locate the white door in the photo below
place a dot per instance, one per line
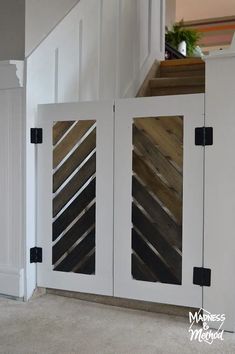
(75, 197)
(158, 219)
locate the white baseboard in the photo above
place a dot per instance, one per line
(11, 281)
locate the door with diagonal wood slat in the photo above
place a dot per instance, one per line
(75, 197)
(158, 220)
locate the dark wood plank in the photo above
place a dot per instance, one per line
(83, 150)
(71, 139)
(74, 185)
(171, 257)
(151, 153)
(74, 209)
(140, 271)
(174, 126)
(153, 182)
(77, 254)
(86, 222)
(152, 261)
(59, 129)
(88, 264)
(166, 143)
(161, 220)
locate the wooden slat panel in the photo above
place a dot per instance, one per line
(161, 220)
(162, 165)
(161, 191)
(77, 254)
(73, 186)
(71, 139)
(74, 209)
(172, 258)
(74, 234)
(86, 147)
(165, 142)
(151, 259)
(140, 271)
(59, 129)
(88, 265)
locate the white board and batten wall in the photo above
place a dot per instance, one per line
(11, 181)
(102, 49)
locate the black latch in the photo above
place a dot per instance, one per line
(204, 136)
(202, 276)
(36, 255)
(36, 135)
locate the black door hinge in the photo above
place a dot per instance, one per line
(202, 276)
(204, 136)
(36, 135)
(36, 255)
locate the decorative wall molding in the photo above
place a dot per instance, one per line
(11, 178)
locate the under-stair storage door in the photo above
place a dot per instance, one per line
(158, 222)
(75, 197)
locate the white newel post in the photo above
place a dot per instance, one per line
(11, 182)
(220, 187)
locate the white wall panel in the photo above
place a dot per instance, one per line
(41, 17)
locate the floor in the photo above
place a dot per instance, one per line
(59, 325)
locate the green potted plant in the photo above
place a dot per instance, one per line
(179, 35)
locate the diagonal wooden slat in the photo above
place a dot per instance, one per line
(167, 144)
(77, 254)
(155, 184)
(74, 209)
(71, 139)
(151, 153)
(59, 129)
(163, 273)
(173, 125)
(86, 222)
(140, 270)
(171, 257)
(74, 185)
(77, 157)
(161, 220)
(88, 264)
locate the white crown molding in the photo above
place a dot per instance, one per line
(11, 74)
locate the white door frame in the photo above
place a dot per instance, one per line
(102, 281)
(192, 108)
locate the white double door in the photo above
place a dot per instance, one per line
(120, 198)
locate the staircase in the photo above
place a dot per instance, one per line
(176, 77)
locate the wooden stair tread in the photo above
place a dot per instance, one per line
(179, 90)
(180, 62)
(187, 68)
(177, 81)
(181, 73)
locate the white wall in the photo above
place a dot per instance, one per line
(101, 50)
(219, 187)
(170, 12)
(191, 10)
(11, 185)
(12, 29)
(41, 17)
